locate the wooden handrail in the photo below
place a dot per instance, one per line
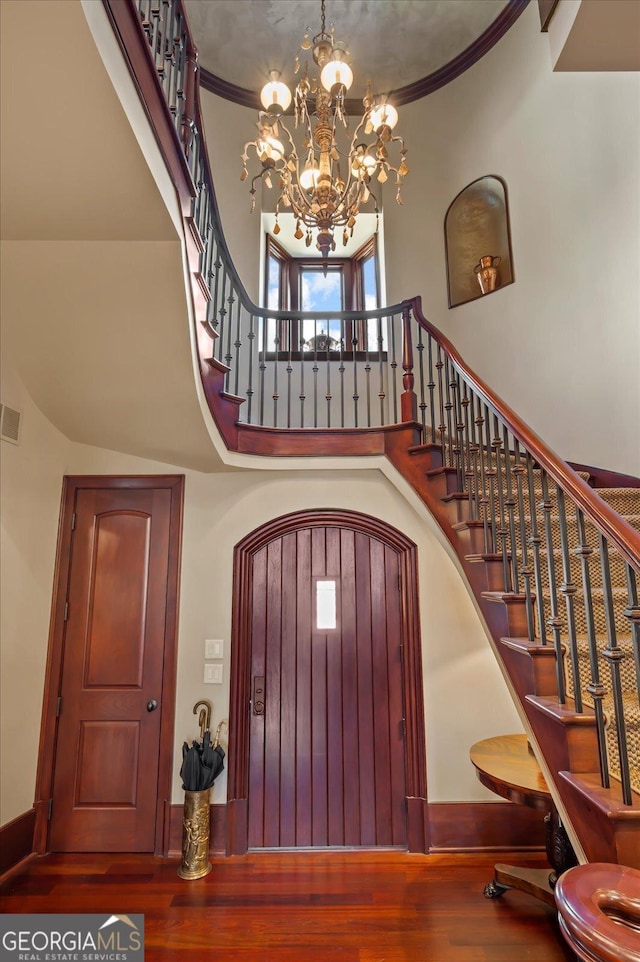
(615, 528)
(599, 912)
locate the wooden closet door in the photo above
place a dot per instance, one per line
(107, 750)
(326, 753)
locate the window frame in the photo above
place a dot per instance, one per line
(290, 297)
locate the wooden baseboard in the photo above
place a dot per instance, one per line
(453, 827)
(16, 841)
(217, 833)
(484, 827)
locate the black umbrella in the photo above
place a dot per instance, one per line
(201, 763)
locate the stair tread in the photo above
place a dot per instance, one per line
(534, 648)
(607, 799)
(565, 714)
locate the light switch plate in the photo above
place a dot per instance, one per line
(214, 648)
(213, 674)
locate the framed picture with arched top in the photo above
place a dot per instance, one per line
(478, 241)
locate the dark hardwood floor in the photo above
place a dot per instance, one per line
(299, 906)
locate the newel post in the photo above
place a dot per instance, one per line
(408, 400)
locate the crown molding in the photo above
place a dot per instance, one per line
(403, 95)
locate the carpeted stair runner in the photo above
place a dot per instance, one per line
(626, 501)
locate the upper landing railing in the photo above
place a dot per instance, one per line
(573, 557)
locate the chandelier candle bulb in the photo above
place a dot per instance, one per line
(275, 95)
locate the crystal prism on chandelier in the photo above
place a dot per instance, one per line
(326, 180)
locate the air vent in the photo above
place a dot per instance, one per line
(10, 421)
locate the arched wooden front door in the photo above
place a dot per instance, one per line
(327, 733)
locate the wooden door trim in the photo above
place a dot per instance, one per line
(415, 751)
(53, 673)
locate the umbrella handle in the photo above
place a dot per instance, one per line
(204, 718)
(224, 723)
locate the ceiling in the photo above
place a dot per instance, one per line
(393, 43)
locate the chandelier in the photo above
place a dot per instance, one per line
(326, 180)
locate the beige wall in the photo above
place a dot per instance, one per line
(31, 480)
(219, 510)
(227, 128)
(562, 344)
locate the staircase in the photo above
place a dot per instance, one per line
(578, 732)
(551, 555)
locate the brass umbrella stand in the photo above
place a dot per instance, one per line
(202, 762)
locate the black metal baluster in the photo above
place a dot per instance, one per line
(448, 406)
(442, 427)
(171, 60)
(276, 360)
(180, 48)
(207, 268)
(555, 622)
(469, 473)
(356, 396)
(632, 614)
(300, 348)
(502, 531)
(315, 372)
(165, 41)
(519, 471)
(213, 304)
(491, 475)
(289, 371)
(458, 428)
(594, 688)
(155, 33)
(422, 403)
(381, 390)
(431, 385)
(473, 452)
(222, 311)
(327, 396)
(342, 369)
(367, 371)
(144, 9)
(510, 505)
(614, 655)
(536, 542)
(568, 589)
(484, 496)
(228, 358)
(262, 366)
(238, 347)
(251, 337)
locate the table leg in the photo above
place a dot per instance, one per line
(538, 882)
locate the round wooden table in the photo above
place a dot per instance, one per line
(507, 766)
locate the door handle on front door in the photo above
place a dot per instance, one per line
(258, 695)
(152, 705)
